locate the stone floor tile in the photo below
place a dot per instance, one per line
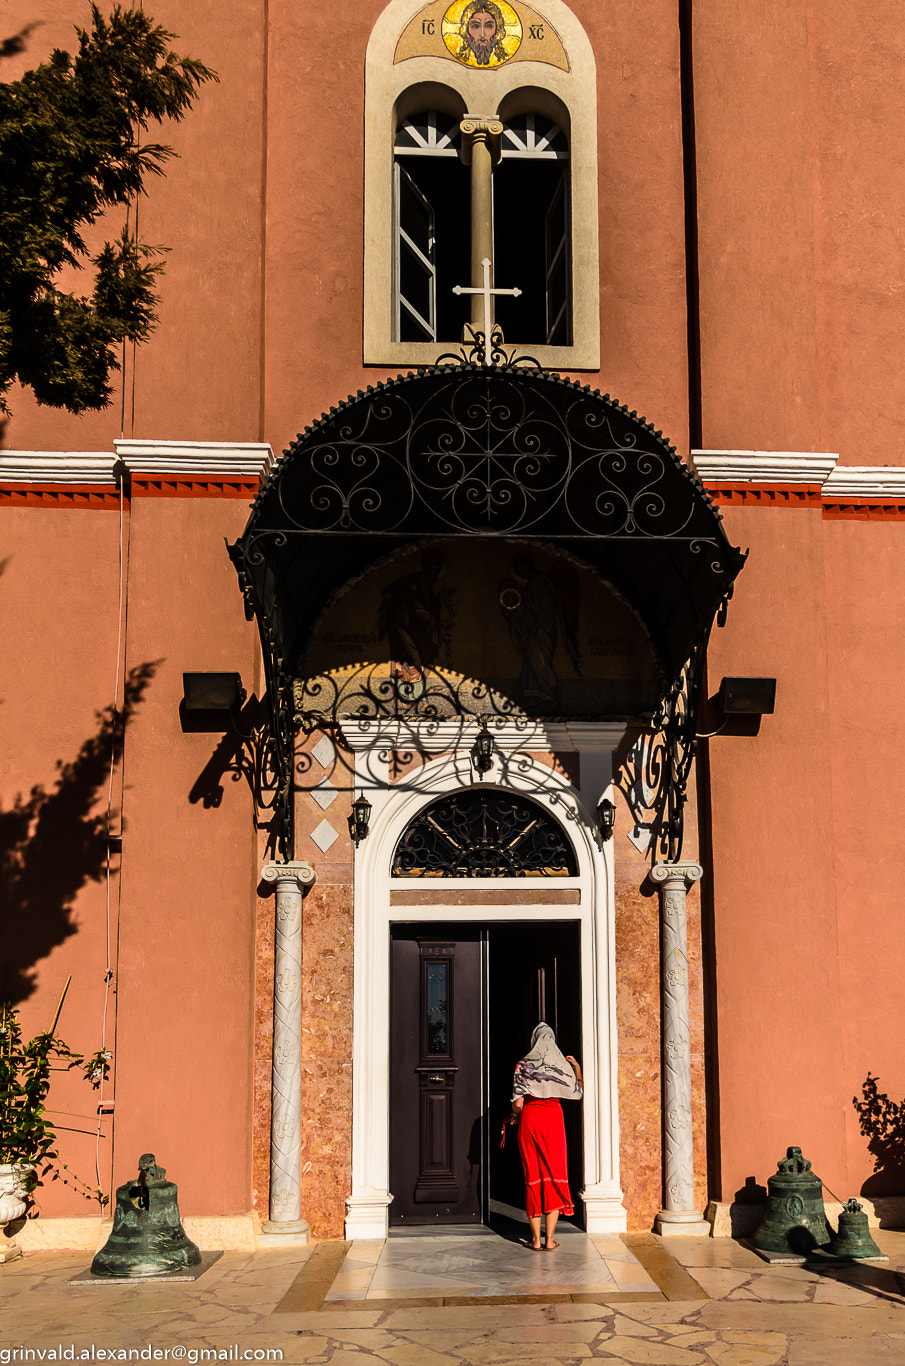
(440, 1338)
(838, 1292)
(321, 1320)
(365, 1252)
(827, 1352)
(408, 1354)
(755, 1339)
(626, 1327)
(743, 1354)
(780, 1288)
(373, 1338)
(567, 1313)
(499, 1349)
(719, 1281)
(674, 1311)
(690, 1339)
(649, 1353)
(628, 1273)
(480, 1318)
(827, 1320)
(724, 1252)
(554, 1332)
(342, 1356)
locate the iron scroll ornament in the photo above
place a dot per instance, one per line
(484, 833)
(484, 451)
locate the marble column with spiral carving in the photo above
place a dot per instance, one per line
(678, 1214)
(291, 880)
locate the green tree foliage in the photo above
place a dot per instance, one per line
(71, 148)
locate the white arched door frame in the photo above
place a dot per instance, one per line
(392, 810)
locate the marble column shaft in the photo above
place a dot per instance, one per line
(673, 881)
(286, 1105)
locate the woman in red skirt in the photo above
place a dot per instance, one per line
(543, 1078)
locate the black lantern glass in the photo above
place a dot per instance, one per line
(606, 817)
(482, 753)
(359, 819)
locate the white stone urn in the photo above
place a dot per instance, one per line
(13, 1187)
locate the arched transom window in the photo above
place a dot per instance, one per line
(484, 832)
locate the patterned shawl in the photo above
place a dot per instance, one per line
(543, 1072)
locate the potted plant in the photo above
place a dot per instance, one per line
(28, 1143)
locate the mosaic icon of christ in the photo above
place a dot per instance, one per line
(482, 33)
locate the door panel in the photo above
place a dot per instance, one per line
(435, 1075)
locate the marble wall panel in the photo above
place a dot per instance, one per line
(327, 944)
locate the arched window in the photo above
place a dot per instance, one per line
(434, 226)
(484, 832)
(533, 108)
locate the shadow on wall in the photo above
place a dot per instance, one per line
(54, 841)
(882, 1122)
(16, 44)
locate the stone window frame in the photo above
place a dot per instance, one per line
(395, 91)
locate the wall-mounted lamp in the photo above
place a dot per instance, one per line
(748, 696)
(212, 692)
(359, 819)
(606, 818)
(482, 750)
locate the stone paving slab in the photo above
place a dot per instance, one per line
(852, 1316)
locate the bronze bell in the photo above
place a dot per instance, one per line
(147, 1238)
(795, 1221)
(853, 1239)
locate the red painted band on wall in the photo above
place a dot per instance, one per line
(762, 495)
(186, 486)
(96, 496)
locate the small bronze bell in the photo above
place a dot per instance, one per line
(147, 1238)
(853, 1239)
(795, 1221)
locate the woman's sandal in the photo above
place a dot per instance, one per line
(551, 1247)
(532, 1247)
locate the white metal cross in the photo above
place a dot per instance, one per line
(487, 293)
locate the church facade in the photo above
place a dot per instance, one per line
(477, 606)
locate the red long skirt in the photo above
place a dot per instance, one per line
(542, 1144)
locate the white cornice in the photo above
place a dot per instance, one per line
(199, 458)
(764, 467)
(865, 481)
(57, 467)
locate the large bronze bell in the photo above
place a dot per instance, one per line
(853, 1239)
(795, 1221)
(147, 1238)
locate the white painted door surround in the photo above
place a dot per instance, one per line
(515, 767)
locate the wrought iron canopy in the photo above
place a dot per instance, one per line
(482, 451)
(479, 451)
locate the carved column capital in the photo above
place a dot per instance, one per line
(686, 872)
(302, 875)
(476, 128)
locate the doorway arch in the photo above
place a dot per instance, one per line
(380, 901)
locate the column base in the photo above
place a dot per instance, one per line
(673, 1223)
(604, 1212)
(284, 1233)
(367, 1220)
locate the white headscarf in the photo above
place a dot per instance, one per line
(544, 1073)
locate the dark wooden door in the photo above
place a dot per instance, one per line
(436, 1075)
